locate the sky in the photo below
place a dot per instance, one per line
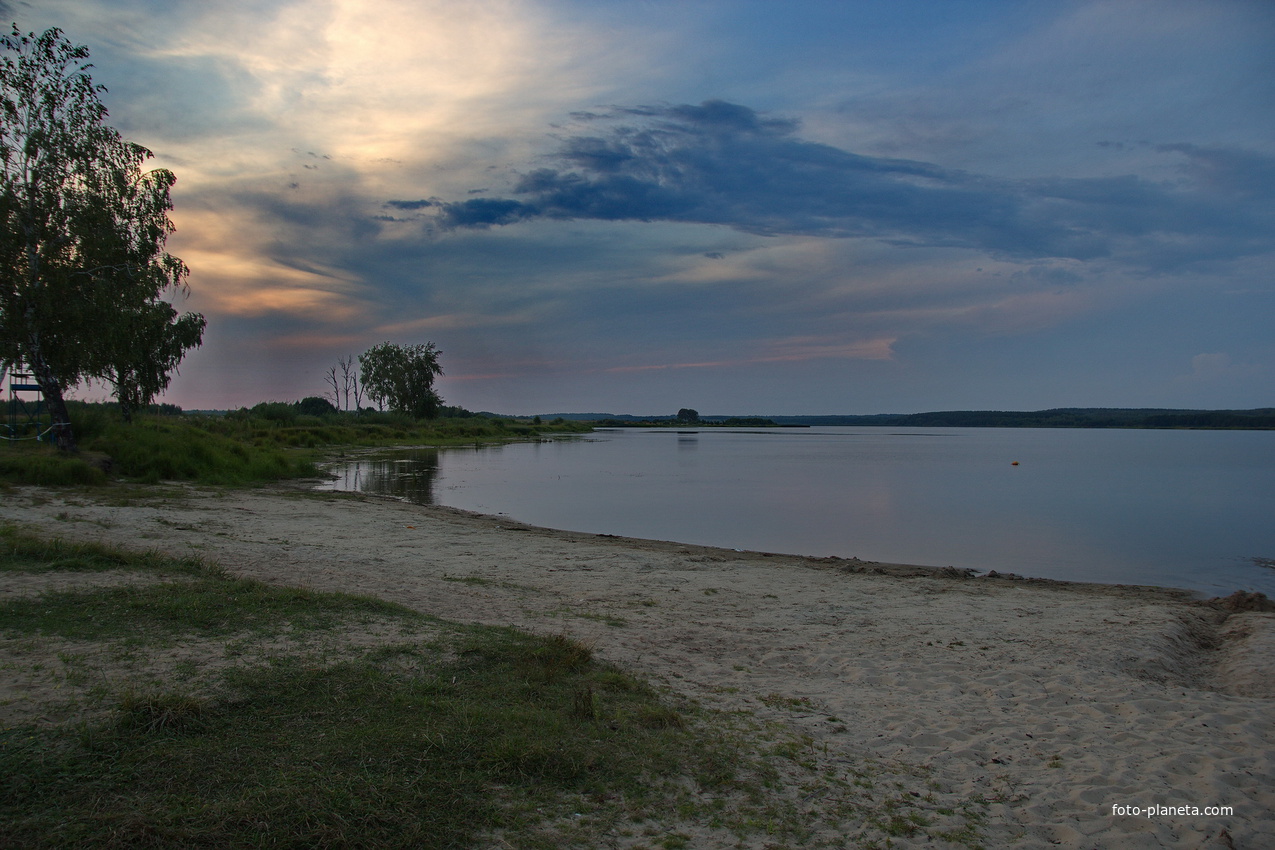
(740, 206)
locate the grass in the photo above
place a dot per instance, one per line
(348, 754)
(175, 450)
(270, 443)
(152, 450)
(45, 466)
(171, 609)
(21, 552)
(193, 708)
(429, 739)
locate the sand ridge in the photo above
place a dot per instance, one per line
(1053, 701)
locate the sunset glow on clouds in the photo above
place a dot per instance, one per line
(744, 207)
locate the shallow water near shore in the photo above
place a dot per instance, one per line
(1193, 509)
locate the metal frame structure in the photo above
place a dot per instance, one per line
(24, 417)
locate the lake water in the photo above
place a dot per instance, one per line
(1191, 509)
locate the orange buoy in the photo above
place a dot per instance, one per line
(1015, 463)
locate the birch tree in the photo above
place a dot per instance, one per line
(83, 270)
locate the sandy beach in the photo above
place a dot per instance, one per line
(1057, 703)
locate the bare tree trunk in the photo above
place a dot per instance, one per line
(346, 374)
(330, 377)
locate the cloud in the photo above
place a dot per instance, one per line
(1216, 376)
(799, 349)
(1228, 170)
(790, 350)
(1051, 275)
(409, 205)
(351, 171)
(725, 164)
(485, 212)
(1210, 365)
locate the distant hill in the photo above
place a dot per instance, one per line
(1061, 417)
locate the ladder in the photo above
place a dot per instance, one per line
(25, 418)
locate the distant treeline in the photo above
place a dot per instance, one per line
(1062, 417)
(673, 421)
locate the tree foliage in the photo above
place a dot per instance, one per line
(150, 342)
(83, 270)
(401, 377)
(315, 406)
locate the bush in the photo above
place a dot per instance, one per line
(275, 411)
(315, 406)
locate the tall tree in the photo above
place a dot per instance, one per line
(401, 377)
(149, 342)
(83, 270)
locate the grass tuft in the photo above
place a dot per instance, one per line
(162, 712)
(167, 609)
(25, 552)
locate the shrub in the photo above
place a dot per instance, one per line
(275, 411)
(315, 406)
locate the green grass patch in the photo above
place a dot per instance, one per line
(270, 442)
(170, 449)
(24, 552)
(348, 754)
(45, 466)
(168, 609)
(208, 711)
(427, 740)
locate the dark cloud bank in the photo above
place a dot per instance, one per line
(725, 164)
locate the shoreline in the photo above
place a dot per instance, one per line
(844, 565)
(1051, 702)
(1078, 545)
(848, 565)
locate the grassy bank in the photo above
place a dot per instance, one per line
(268, 443)
(166, 703)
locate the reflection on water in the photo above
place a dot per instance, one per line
(1179, 508)
(410, 476)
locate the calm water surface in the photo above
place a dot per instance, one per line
(1189, 509)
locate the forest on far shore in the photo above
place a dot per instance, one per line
(1061, 417)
